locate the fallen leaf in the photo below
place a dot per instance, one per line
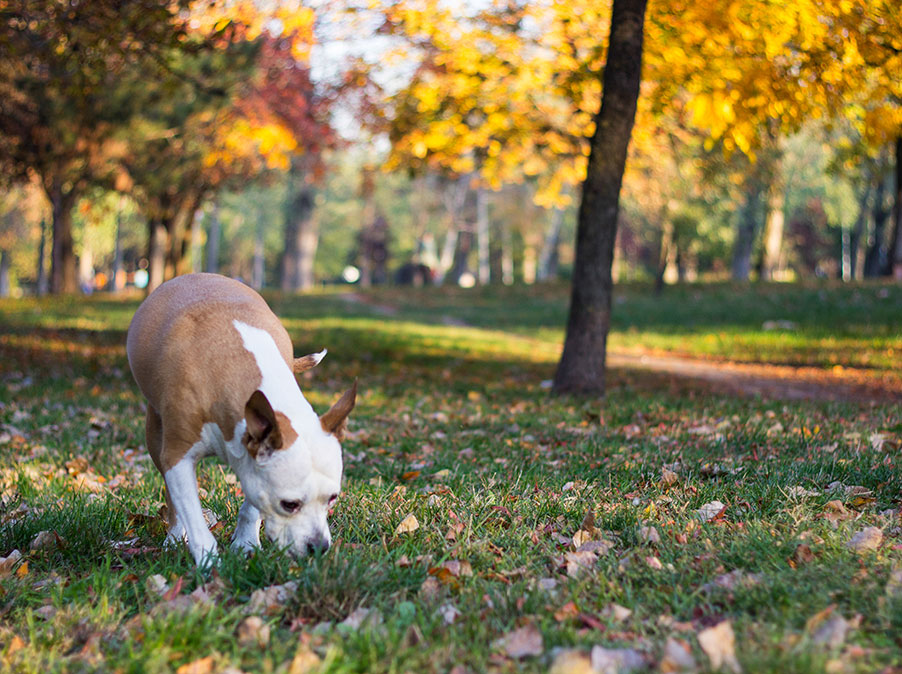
(677, 657)
(616, 660)
(448, 613)
(868, 538)
(711, 511)
(156, 585)
(803, 554)
(430, 589)
(733, 580)
(719, 644)
(408, 525)
(668, 477)
(579, 563)
(649, 535)
(8, 563)
(894, 584)
(201, 666)
(565, 612)
(831, 633)
(360, 616)
(252, 631)
(271, 600)
(835, 511)
(521, 643)
(15, 644)
(45, 540)
(616, 612)
(571, 661)
(304, 660)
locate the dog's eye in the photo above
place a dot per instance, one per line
(290, 506)
(333, 498)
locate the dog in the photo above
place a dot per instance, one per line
(217, 369)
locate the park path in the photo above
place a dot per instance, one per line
(767, 380)
(782, 382)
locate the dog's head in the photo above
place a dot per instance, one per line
(296, 472)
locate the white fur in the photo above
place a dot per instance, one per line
(309, 471)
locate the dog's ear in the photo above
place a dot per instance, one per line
(335, 420)
(308, 362)
(262, 435)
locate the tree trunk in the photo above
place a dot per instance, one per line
(507, 254)
(895, 256)
(582, 365)
(212, 266)
(4, 273)
(460, 266)
(446, 258)
(301, 237)
(158, 244)
(257, 276)
(178, 258)
(484, 274)
(746, 226)
(550, 255)
(63, 272)
(666, 253)
(876, 255)
(773, 224)
(117, 278)
(858, 230)
(42, 281)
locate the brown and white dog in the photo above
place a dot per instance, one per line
(217, 369)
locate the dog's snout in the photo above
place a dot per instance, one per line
(317, 545)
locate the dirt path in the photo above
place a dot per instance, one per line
(769, 381)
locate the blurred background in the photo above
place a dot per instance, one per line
(293, 145)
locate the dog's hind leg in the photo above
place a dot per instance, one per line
(247, 533)
(154, 434)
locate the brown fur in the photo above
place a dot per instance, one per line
(191, 364)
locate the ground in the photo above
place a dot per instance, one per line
(484, 525)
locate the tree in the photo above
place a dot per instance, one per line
(582, 365)
(60, 106)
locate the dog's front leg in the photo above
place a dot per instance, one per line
(181, 481)
(247, 533)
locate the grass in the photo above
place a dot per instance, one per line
(454, 427)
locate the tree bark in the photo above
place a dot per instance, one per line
(42, 281)
(482, 236)
(746, 226)
(896, 247)
(858, 229)
(117, 277)
(158, 244)
(876, 256)
(301, 238)
(774, 224)
(582, 366)
(4, 273)
(63, 272)
(550, 255)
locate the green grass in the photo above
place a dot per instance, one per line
(454, 427)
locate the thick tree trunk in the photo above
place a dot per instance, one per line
(774, 224)
(117, 277)
(582, 365)
(446, 258)
(876, 256)
(178, 258)
(63, 271)
(158, 244)
(42, 281)
(4, 273)
(858, 230)
(895, 250)
(550, 255)
(746, 226)
(484, 274)
(301, 238)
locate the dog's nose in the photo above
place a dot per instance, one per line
(317, 545)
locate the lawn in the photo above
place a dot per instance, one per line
(484, 525)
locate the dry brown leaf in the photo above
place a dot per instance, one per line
(802, 554)
(571, 661)
(616, 612)
(868, 538)
(252, 631)
(711, 511)
(649, 535)
(408, 525)
(677, 657)
(521, 643)
(832, 632)
(430, 589)
(15, 644)
(8, 563)
(272, 599)
(45, 540)
(565, 612)
(719, 644)
(616, 660)
(579, 563)
(668, 477)
(304, 660)
(201, 666)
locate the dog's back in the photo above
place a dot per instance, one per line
(188, 358)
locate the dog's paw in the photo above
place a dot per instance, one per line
(175, 536)
(205, 552)
(245, 545)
